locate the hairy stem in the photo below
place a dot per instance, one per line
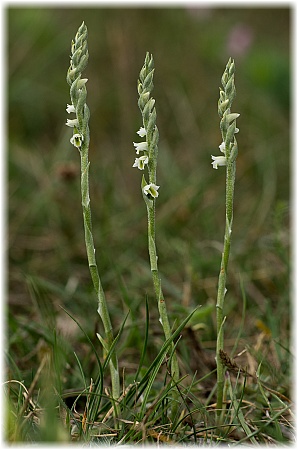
(102, 304)
(230, 181)
(80, 139)
(229, 148)
(158, 289)
(149, 191)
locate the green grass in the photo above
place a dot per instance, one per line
(47, 272)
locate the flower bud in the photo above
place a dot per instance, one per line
(81, 83)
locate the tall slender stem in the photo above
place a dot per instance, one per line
(229, 148)
(102, 304)
(230, 179)
(149, 149)
(80, 139)
(158, 288)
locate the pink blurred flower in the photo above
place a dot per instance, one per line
(239, 40)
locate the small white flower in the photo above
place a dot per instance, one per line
(151, 189)
(142, 132)
(70, 109)
(140, 147)
(218, 161)
(77, 140)
(72, 123)
(222, 147)
(141, 162)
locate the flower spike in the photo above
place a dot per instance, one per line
(80, 139)
(229, 149)
(150, 191)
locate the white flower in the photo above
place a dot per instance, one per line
(151, 189)
(218, 161)
(72, 123)
(142, 132)
(140, 147)
(222, 147)
(70, 109)
(77, 140)
(141, 162)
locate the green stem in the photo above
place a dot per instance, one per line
(102, 304)
(161, 301)
(146, 105)
(230, 182)
(80, 139)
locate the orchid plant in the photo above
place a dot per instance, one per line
(80, 139)
(148, 160)
(229, 148)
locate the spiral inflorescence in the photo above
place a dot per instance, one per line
(147, 150)
(228, 120)
(78, 92)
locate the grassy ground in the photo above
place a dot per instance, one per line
(47, 270)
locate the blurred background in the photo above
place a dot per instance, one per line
(47, 267)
